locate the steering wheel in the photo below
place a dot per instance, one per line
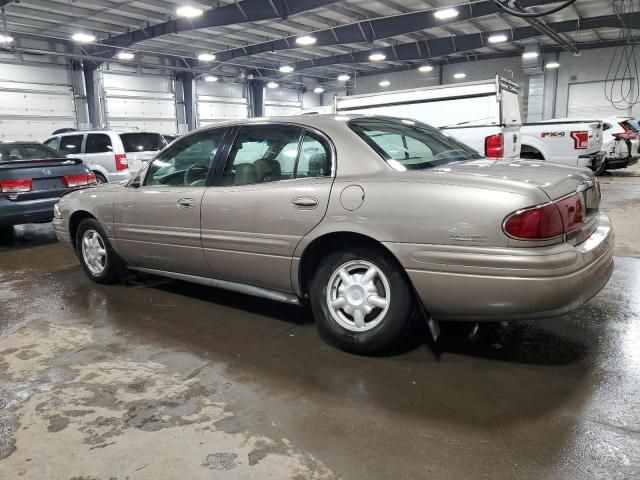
(188, 174)
(457, 153)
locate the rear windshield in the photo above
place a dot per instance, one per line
(410, 145)
(10, 152)
(142, 142)
(632, 124)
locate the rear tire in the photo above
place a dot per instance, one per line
(362, 301)
(99, 261)
(100, 178)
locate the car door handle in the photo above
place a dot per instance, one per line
(306, 203)
(186, 203)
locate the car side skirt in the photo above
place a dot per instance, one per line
(232, 286)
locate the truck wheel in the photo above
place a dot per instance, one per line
(362, 301)
(98, 259)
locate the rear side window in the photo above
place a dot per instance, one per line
(98, 143)
(315, 157)
(52, 143)
(142, 142)
(71, 144)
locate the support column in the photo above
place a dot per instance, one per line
(92, 89)
(189, 95)
(256, 98)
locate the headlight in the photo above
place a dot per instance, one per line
(56, 211)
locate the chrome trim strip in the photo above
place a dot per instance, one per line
(232, 286)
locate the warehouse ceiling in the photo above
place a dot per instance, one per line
(259, 36)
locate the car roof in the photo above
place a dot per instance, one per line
(117, 132)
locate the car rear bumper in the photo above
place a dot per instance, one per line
(618, 163)
(26, 211)
(591, 160)
(489, 284)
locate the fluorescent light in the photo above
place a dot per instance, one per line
(286, 69)
(306, 40)
(425, 68)
(210, 78)
(384, 83)
(499, 38)
(446, 13)
(530, 54)
(344, 78)
(206, 57)
(188, 11)
(126, 56)
(459, 75)
(6, 39)
(377, 57)
(318, 90)
(272, 85)
(552, 65)
(82, 37)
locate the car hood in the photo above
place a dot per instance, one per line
(554, 179)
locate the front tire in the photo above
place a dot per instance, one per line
(362, 301)
(99, 261)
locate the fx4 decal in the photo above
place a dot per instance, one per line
(552, 134)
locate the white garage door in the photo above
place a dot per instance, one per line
(220, 101)
(142, 102)
(588, 100)
(34, 101)
(282, 102)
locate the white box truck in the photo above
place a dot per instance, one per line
(485, 115)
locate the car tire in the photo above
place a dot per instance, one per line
(100, 178)
(99, 261)
(341, 312)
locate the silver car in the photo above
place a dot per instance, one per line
(370, 218)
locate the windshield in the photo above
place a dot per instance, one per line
(142, 142)
(9, 152)
(409, 145)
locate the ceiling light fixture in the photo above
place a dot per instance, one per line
(126, 56)
(384, 83)
(206, 57)
(377, 57)
(188, 11)
(459, 75)
(446, 13)
(306, 40)
(82, 37)
(286, 69)
(344, 78)
(272, 85)
(498, 38)
(552, 65)
(210, 78)
(6, 39)
(530, 54)
(318, 90)
(425, 68)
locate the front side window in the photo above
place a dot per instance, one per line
(98, 143)
(409, 145)
(187, 162)
(71, 144)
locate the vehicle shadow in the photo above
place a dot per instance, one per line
(26, 236)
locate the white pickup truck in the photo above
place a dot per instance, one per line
(489, 110)
(570, 142)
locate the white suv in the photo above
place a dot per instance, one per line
(112, 156)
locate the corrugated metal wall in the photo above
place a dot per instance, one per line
(34, 101)
(143, 102)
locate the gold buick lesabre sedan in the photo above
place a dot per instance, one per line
(371, 219)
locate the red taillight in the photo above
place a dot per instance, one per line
(121, 161)
(19, 185)
(74, 181)
(628, 135)
(580, 140)
(546, 221)
(494, 146)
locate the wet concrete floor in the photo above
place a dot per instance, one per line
(163, 379)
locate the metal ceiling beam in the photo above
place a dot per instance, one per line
(237, 12)
(5, 2)
(439, 47)
(367, 31)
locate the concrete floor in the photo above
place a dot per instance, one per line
(169, 380)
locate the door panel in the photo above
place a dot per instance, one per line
(274, 189)
(249, 232)
(157, 225)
